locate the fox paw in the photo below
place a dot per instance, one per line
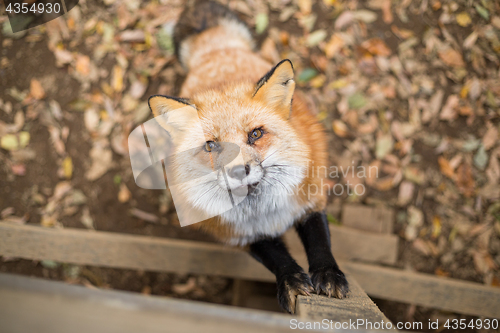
(330, 281)
(291, 285)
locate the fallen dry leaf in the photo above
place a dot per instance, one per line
(124, 193)
(451, 57)
(340, 128)
(117, 79)
(36, 89)
(464, 180)
(446, 168)
(376, 46)
(82, 65)
(334, 45)
(185, 288)
(405, 195)
(148, 217)
(102, 161)
(450, 109)
(86, 219)
(463, 19)
(14, 142)
(491, 137)
(67, 166)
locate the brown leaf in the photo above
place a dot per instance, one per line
(386, 10)
(36, 89)
(464, 180)
(451, 57)
(334, 45)
(446, 169)
(449, 110)
(491, 137)
(124, 193)
(422, 247)
(82, 64)
(340, 128)
(376, 46)
(402, 33)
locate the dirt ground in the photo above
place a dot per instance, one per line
(410, 87)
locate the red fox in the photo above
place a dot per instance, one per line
(242, 99)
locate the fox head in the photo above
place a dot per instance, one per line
(243, 132)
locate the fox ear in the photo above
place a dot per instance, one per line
(277, 86)
(174, 122)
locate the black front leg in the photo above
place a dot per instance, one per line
(291, 280)
(326, 276)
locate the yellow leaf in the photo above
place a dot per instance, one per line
(464, 91)
(67, 166)
(318, 81)
(117, 81)
(436, 227)
(9, 142)
(24, 139)
(338, 84)
(330, 2)
(463, 19)
(104, 115)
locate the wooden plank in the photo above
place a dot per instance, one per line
(168, 255)
(128, 251)
(427, 290)
(357, 308)
(374, 219)
(352, 244)
(35, 305)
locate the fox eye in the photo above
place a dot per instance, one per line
(209, 145)
(255, 134)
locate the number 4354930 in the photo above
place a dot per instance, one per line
(456, 324)
(40, 8)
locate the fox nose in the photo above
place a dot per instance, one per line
(239, 171)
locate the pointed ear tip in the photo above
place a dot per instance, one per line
(285, 65)
(287, 61)
(151, 100)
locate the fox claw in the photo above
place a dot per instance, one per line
(330, 281)
(291, 285)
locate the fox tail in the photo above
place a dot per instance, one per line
(192, 37)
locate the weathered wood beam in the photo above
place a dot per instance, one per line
(356, 309)
(169, 255)
(36, 305)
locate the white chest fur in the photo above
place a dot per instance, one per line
(261, 216)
